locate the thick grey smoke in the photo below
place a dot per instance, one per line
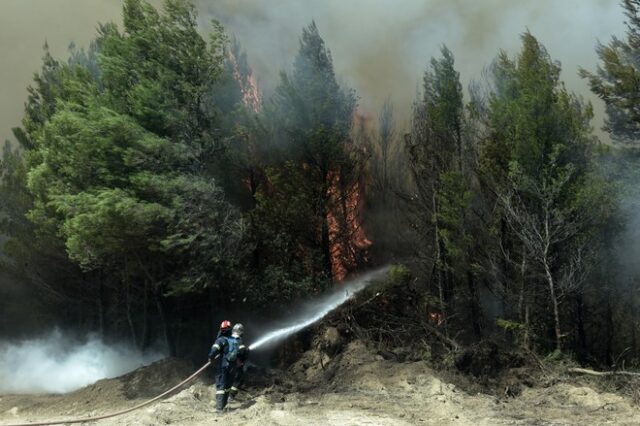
(380, 47)
(57, 363)
(25, 25)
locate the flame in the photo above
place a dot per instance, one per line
(248, 85)
(251, 95)
(349, 242)
(363, 121)
(436, 317)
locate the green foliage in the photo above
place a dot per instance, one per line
(535, 120)
(206, 236)
(540, 162)
(510, 325)
(443, 107)
(284, 284)
(441, 160)
(544, 131)
(399, 274)
(555, 357)
(454, 199)
(616, 79)
(312, 113)
(118, 146)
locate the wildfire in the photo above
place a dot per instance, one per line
(349, 242)
(435, 318)
(251, 95)
(248, 85)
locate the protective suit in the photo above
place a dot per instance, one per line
(239, 353)
(219, 357)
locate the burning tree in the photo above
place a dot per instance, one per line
(311, 119)
(236, 61)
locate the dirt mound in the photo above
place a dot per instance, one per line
(488, 359)
(145, 382)
(105, 395)
(353, 366)
(149, 381)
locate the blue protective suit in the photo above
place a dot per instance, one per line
(218, 355)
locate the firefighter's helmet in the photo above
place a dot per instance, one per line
(238, 330)
(225, 325)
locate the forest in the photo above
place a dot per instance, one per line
(156, 189)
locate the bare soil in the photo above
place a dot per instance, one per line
(331, 385)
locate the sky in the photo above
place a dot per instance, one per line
(379, 47)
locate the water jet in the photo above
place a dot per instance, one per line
(320, 308)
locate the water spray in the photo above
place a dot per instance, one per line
(320, 308)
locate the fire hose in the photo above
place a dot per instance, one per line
(117, 413)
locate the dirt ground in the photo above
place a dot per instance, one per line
(354, 387)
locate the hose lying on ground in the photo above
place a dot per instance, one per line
(117, 413)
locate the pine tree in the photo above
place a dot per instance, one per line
(119, 161)
(616, 79)
(312, 117)
(539, 160)
(436, 156)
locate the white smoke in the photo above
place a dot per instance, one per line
(58, 364)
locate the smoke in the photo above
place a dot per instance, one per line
(381, 47)
(57, 363)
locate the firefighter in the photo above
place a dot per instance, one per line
(238, 360)
(219, 357)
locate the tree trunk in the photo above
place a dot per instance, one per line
(257, 251)
(439, 264)
(213, 310)
(325, 238)
(527, 325)
(634, 340)
(475, 305)
(555, 305)
(582, 336)
(165, 322)
(523, 266)
(132, 326)
(610, 334)
(144, 343)
(523, 302)
(101, 306)
(326, 249)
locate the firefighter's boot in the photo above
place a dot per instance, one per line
(221, 400)
(233, 393)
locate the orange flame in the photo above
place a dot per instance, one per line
(349, 242)
(436, 318)
(248, 85)
(251, 95)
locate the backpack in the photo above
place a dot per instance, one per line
(231, 354)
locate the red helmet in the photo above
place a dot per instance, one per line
(225, 325)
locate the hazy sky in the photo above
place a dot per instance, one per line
(380, 47)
